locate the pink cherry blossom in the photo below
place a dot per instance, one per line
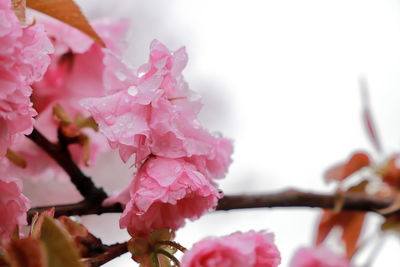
(318, 257)
(77, 64)
(152, 111)
(164, 193)
(23, 60)
(75, 72)
(13, 204)
(253, 249)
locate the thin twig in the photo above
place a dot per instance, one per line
(296, 198)
(77, 209)
(168, 255)
(59, 152)
(172, 244)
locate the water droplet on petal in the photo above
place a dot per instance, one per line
(143, 70)
(141, 74)
(132, 90)
(121, 76)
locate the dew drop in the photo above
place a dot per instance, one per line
(141, 74)
(121, 76)
(132, 90)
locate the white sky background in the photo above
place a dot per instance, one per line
(280, 78)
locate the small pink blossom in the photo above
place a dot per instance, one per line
(75, 72)
(77, 64)
(13, 204)
(253, 249)
(215, 164)
(164, 193)
(318, 257)
(152, 111)
(23, 60)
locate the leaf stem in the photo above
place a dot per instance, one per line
(172, 244)
(170, 256)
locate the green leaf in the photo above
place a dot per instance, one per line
(60, 250)
(68, 12)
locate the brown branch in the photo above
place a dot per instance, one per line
(295, 198)
(113, 251)
(59, 152)
(77, 209)
(288, 198)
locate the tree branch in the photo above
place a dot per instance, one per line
(113, 251)
(77, 209)
(59, 152)
(295, 198)
(288, 198)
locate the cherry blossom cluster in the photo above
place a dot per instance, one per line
(58, 80)
(75, 72)
(255, 249)
(62, 65)
(150, 113)
(23, 60)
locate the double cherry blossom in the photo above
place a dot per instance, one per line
(151, 113)
(24, 57)
(255, 249)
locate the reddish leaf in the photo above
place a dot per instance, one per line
(367, 115)
(73, 228)
(391, 172)
(351, 223)
(341, 171)
(391, 223)
(27, 252)
(3, 261)
(68, 12)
